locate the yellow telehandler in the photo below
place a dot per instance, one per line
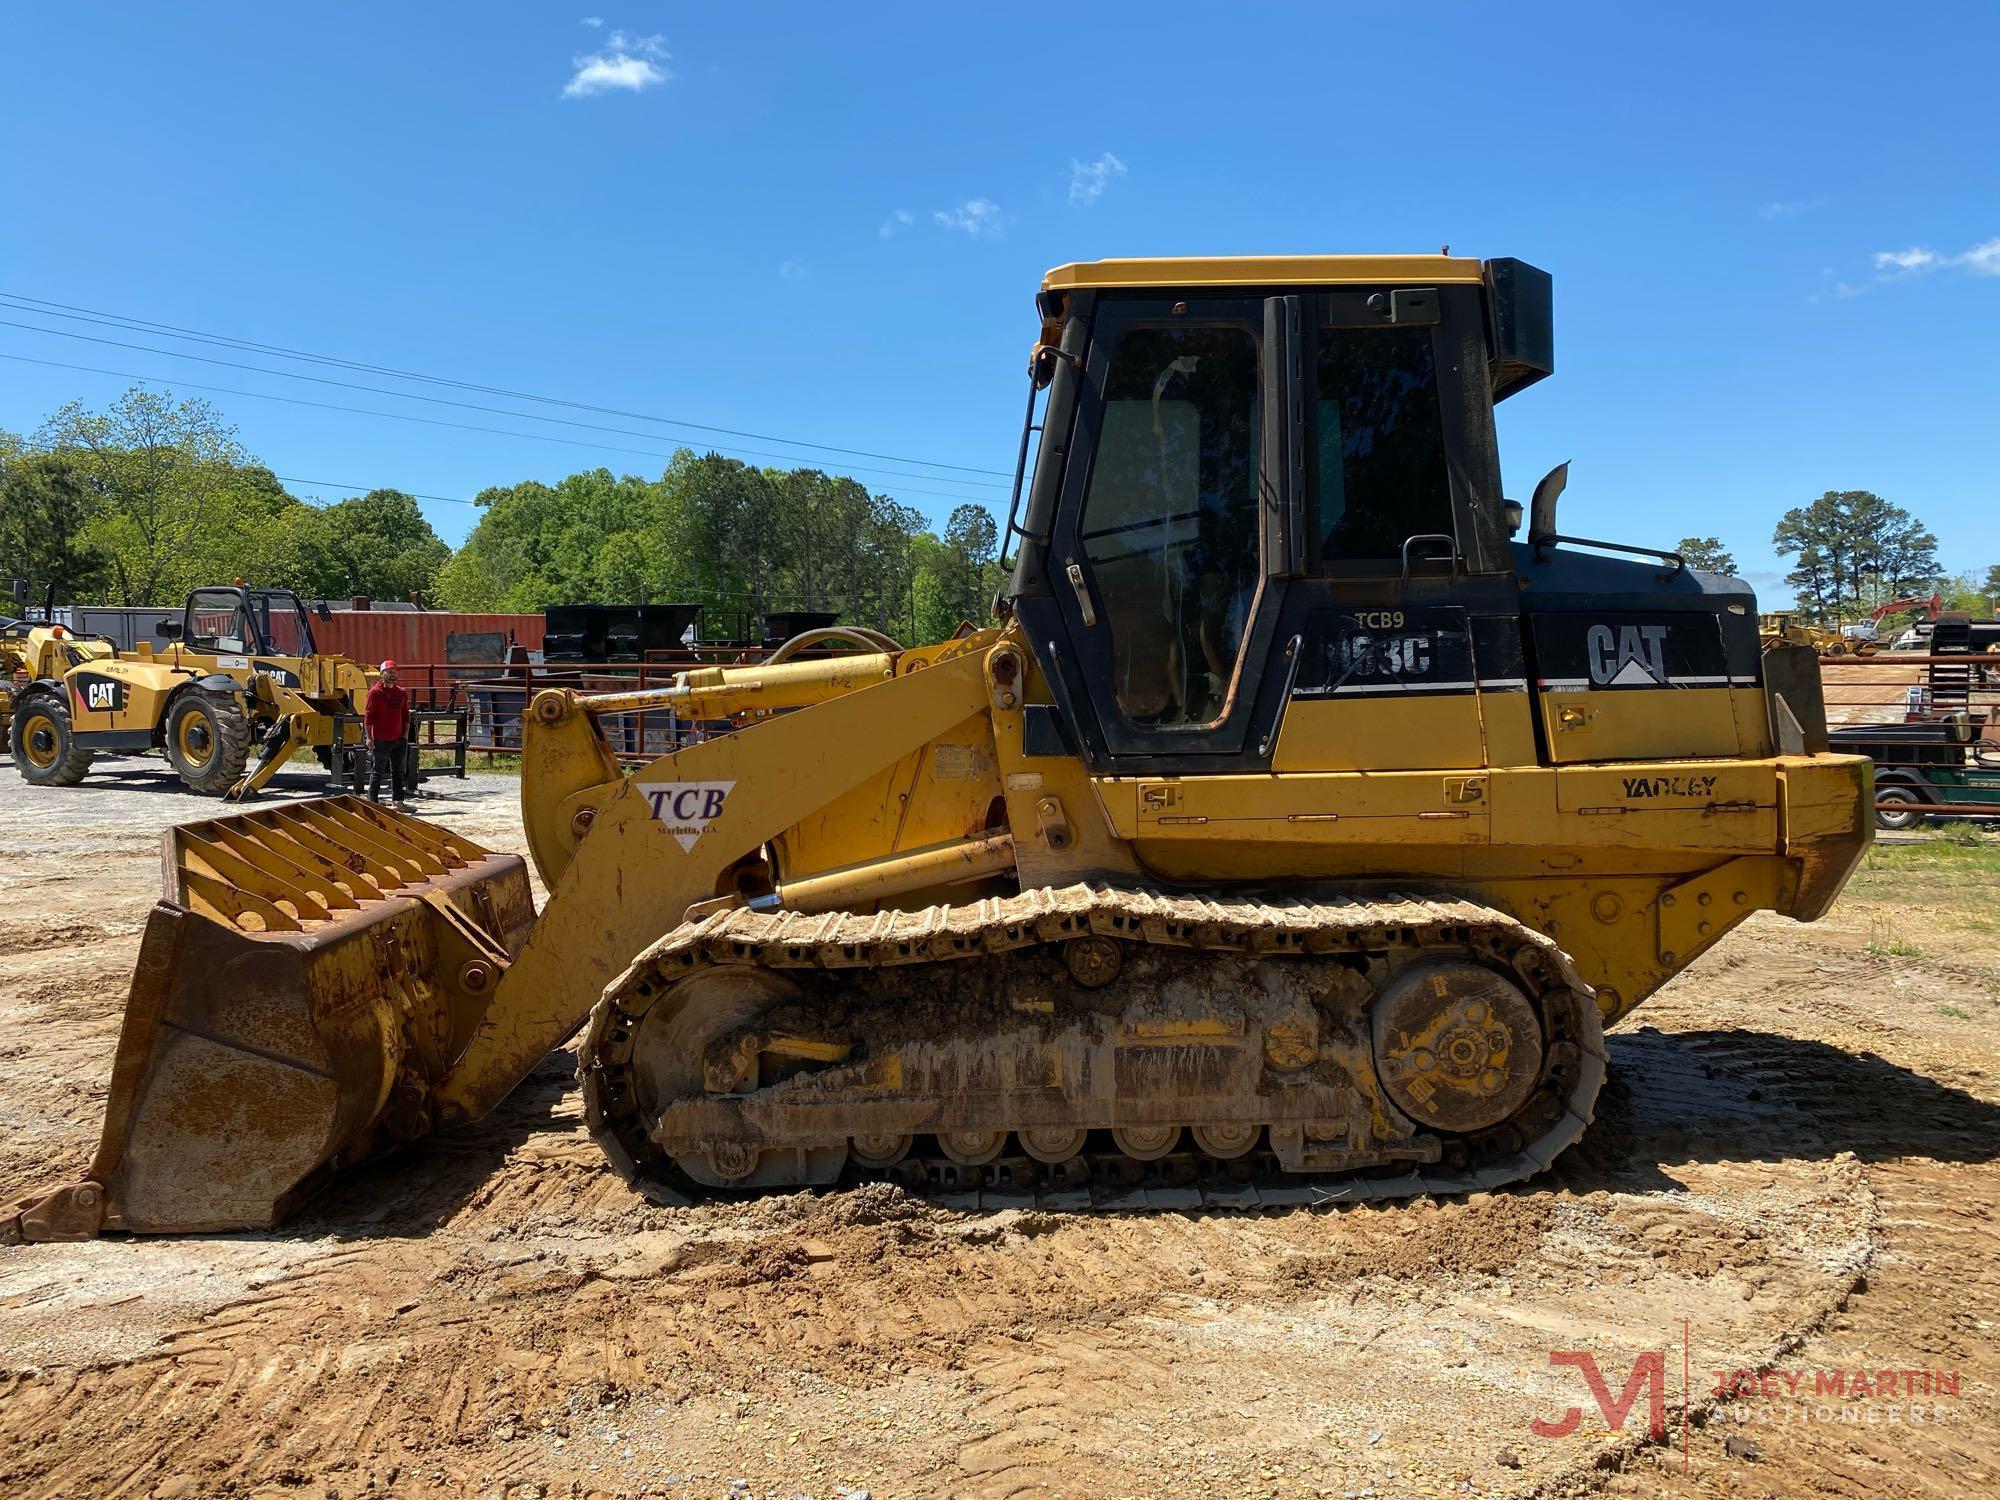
(32, 650)
(1293, 836)
(241, 676)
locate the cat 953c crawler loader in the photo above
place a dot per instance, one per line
(1294, 835)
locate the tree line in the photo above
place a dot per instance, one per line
(140, 502)
(152, 496)
(1852, 551)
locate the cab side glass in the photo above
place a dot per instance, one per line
(1382, 473)
(1169, 517)
(216, 624)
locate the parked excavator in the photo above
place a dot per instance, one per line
(1292, 836)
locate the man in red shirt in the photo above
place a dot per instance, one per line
(385, 723)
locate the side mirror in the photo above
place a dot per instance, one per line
(171, 629)
(321, 611)
(1542, 508)
(21, 594)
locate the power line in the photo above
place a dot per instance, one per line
(498, 411)
(398, 416)
(97, 316)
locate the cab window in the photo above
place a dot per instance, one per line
(281, 621)
(1380, 437)
(216, 624)
(1169, 517)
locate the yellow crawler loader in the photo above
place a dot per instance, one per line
(241, 676)
(1293, 836)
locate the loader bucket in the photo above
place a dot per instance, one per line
(311, 974)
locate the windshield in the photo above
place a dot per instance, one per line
(281, 619)
(227, 622)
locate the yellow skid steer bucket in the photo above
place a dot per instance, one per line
(312, 972)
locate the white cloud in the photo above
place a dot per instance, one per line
(792, 270)
(978, 217)
(1983, 259)
(593, 20)
(1088, 180)
(896, 223)
(1916, 258)
(1783, 208)
(627, 62)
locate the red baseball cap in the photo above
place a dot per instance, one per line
(388, 666)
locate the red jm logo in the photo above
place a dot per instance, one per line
(1649, 1373)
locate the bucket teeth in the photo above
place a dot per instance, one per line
(313, 972)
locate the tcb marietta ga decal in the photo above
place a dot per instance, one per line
(686, 808)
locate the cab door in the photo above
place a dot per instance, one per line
(1410, 622)
(1164, 556)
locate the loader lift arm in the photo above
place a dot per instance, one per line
(599, 917)
(327, 980)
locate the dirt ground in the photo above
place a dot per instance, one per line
(1793, 1174)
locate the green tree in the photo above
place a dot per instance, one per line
(47, 508)
(1707, 553)
(182, 501)
(1853, 550)
(379, 545)
(737, 540)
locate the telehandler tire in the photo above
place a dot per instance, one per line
(208, 740)
(45, 747)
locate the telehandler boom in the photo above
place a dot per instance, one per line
(1293, 836)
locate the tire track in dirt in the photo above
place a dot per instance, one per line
(1929, 1295)
(495, 1307)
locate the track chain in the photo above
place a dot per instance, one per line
(1255, 927)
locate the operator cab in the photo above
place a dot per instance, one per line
(246, 622)
(1267, 478)
(1266, 532)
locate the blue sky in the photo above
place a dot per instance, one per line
(1774, 230)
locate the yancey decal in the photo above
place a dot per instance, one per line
(686, 807)
(1668, 786)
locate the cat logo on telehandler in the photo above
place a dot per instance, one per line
(1193, 918)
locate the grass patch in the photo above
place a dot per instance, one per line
(1955, 1013)
(1956, 870)
(1958, 847)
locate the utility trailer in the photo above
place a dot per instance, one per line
(1937, 767)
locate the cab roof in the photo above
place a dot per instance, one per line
(1262, 270)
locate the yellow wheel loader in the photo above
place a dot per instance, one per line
(1293, 837)
(32, 650)
(241, 675)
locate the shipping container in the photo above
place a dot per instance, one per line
(375, 635)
